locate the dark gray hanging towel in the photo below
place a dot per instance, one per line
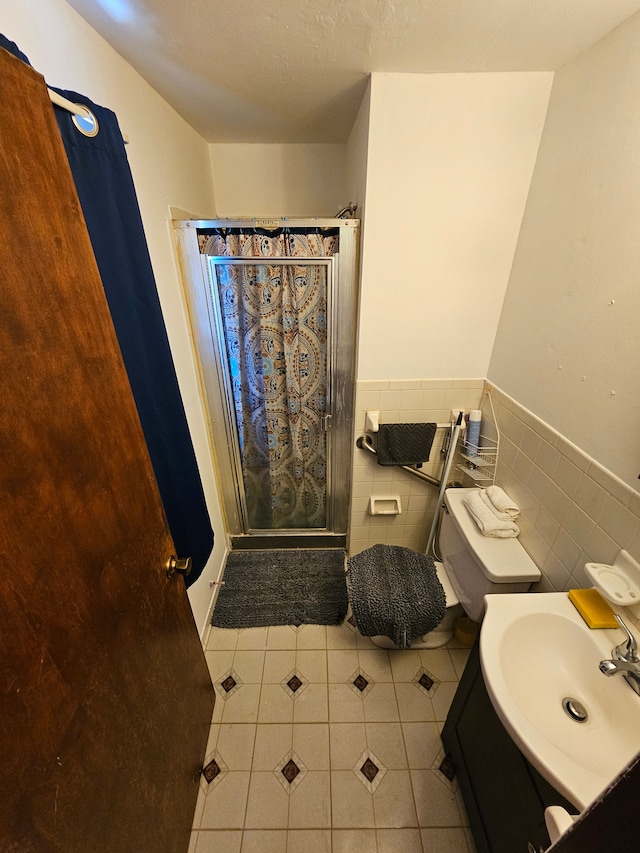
(405, 444)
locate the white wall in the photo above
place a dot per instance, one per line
(357, 155)
(269, 181)
(449, 166)
(170, 165)
(568, 346)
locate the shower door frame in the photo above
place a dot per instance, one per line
(219, 410)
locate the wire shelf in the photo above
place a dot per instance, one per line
(481, 465)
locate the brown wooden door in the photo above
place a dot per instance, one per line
(105, 698)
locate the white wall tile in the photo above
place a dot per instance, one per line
(405, 384)
(585, 512)
(573, 510)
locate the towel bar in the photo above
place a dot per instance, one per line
(364, 443)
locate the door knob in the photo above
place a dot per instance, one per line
(176, 566)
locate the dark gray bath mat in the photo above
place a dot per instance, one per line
(283, 587)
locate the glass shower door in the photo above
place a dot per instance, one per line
(273, 331)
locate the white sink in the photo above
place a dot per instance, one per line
(536, 651)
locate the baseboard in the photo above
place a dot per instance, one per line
(215, 589)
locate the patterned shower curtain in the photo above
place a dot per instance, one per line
(275, 328)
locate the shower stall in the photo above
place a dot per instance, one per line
(273, 306)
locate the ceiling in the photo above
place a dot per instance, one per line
(296, 70)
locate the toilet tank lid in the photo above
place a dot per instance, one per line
(501, 560)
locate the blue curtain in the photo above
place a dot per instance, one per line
(107, 195)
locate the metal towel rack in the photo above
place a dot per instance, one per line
(364, 443)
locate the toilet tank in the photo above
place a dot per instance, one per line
(478, 565)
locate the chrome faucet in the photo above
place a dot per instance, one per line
(625, 659)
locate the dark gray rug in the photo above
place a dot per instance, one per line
(283, 587)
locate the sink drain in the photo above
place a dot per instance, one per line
(574, 709)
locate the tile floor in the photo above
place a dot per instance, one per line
(322, 743)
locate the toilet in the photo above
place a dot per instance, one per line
(473, 566)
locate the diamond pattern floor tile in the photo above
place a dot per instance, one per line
(323, 743)
(369, 770)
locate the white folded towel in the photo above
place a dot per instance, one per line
(507, 515)
(490, 505)
(487, 520)
(502, 502)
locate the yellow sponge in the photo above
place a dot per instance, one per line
(593, 608)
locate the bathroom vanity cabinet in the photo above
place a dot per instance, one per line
(504, 795)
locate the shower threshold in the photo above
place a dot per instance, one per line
(253, 542)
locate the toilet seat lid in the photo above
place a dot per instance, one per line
(501, 560)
